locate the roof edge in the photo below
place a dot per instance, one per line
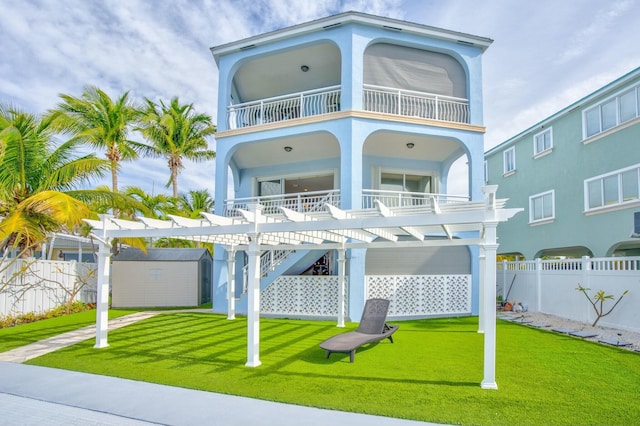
(332, 21)
(577, 104)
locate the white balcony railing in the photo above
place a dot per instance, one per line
(304, 202)
(415, 104)
(309, 202)
(406, 199)
(285, 107)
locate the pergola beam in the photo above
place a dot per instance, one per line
(386, 212)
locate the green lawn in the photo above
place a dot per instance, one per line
(432, 372)
(13, 337)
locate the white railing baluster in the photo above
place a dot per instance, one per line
(286, 107)
(415, 104)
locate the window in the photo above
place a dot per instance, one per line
(509, 158)
(543, 141)
(612, 112)
(613, 189)
(403, 182)
(542, 207)
(486, 172)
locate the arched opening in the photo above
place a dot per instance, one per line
(626, 248)
(401, 67)
(574, 252)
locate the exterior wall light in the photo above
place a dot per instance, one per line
(304, 68)
(288, 148)
(410, 145)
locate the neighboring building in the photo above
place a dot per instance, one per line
(161, 277)
(69, 247)
(344, 111)
(577, 174)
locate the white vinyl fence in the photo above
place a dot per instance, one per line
(550, 286)
(30, 285)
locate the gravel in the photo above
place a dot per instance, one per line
(616, 337)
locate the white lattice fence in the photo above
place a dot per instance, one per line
(315, 296)
(418, 295)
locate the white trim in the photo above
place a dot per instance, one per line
(610, 131)
(544, 151)
(544, 219)
(615, 97)
(612, 206)
(510, 151)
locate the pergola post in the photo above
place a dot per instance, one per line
(253, 290)
(490, 249)
(102, 288)
(231, 280)
(342, 260)
(481, 315)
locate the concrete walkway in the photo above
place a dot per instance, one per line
(43, 347)
(33, 395)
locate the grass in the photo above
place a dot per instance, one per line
(431, 373)
(13, 337)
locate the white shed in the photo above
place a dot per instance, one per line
(161, 277)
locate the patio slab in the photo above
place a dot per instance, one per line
(583, 334)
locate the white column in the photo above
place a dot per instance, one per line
(102, 293)
(253, 308)
(231, 283)
(481, 314)
(490, 250)
(342, 260)
(253, 290)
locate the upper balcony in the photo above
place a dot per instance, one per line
(385, 100)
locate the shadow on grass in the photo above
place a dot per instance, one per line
(213, 345)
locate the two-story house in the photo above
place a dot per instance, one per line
(346, 111)
(577, 173)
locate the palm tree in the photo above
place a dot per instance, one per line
(194, 202)
(158, 205)
(176, 132)
(97, 120)
(39, 181)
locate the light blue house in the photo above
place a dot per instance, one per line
(577, 173)
(339, 136)
(346, 111)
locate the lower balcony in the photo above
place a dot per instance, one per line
(309, 202)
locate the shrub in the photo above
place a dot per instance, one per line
(13, 320)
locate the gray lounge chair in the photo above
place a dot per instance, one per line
(372, 328)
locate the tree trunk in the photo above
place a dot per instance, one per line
(174, 181)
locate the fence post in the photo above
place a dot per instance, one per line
(539, 284)
(586, 278)
(504, 279)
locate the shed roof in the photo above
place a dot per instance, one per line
(162, 255)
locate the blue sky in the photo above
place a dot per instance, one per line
(546, 53)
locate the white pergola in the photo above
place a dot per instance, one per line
(255, 232)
